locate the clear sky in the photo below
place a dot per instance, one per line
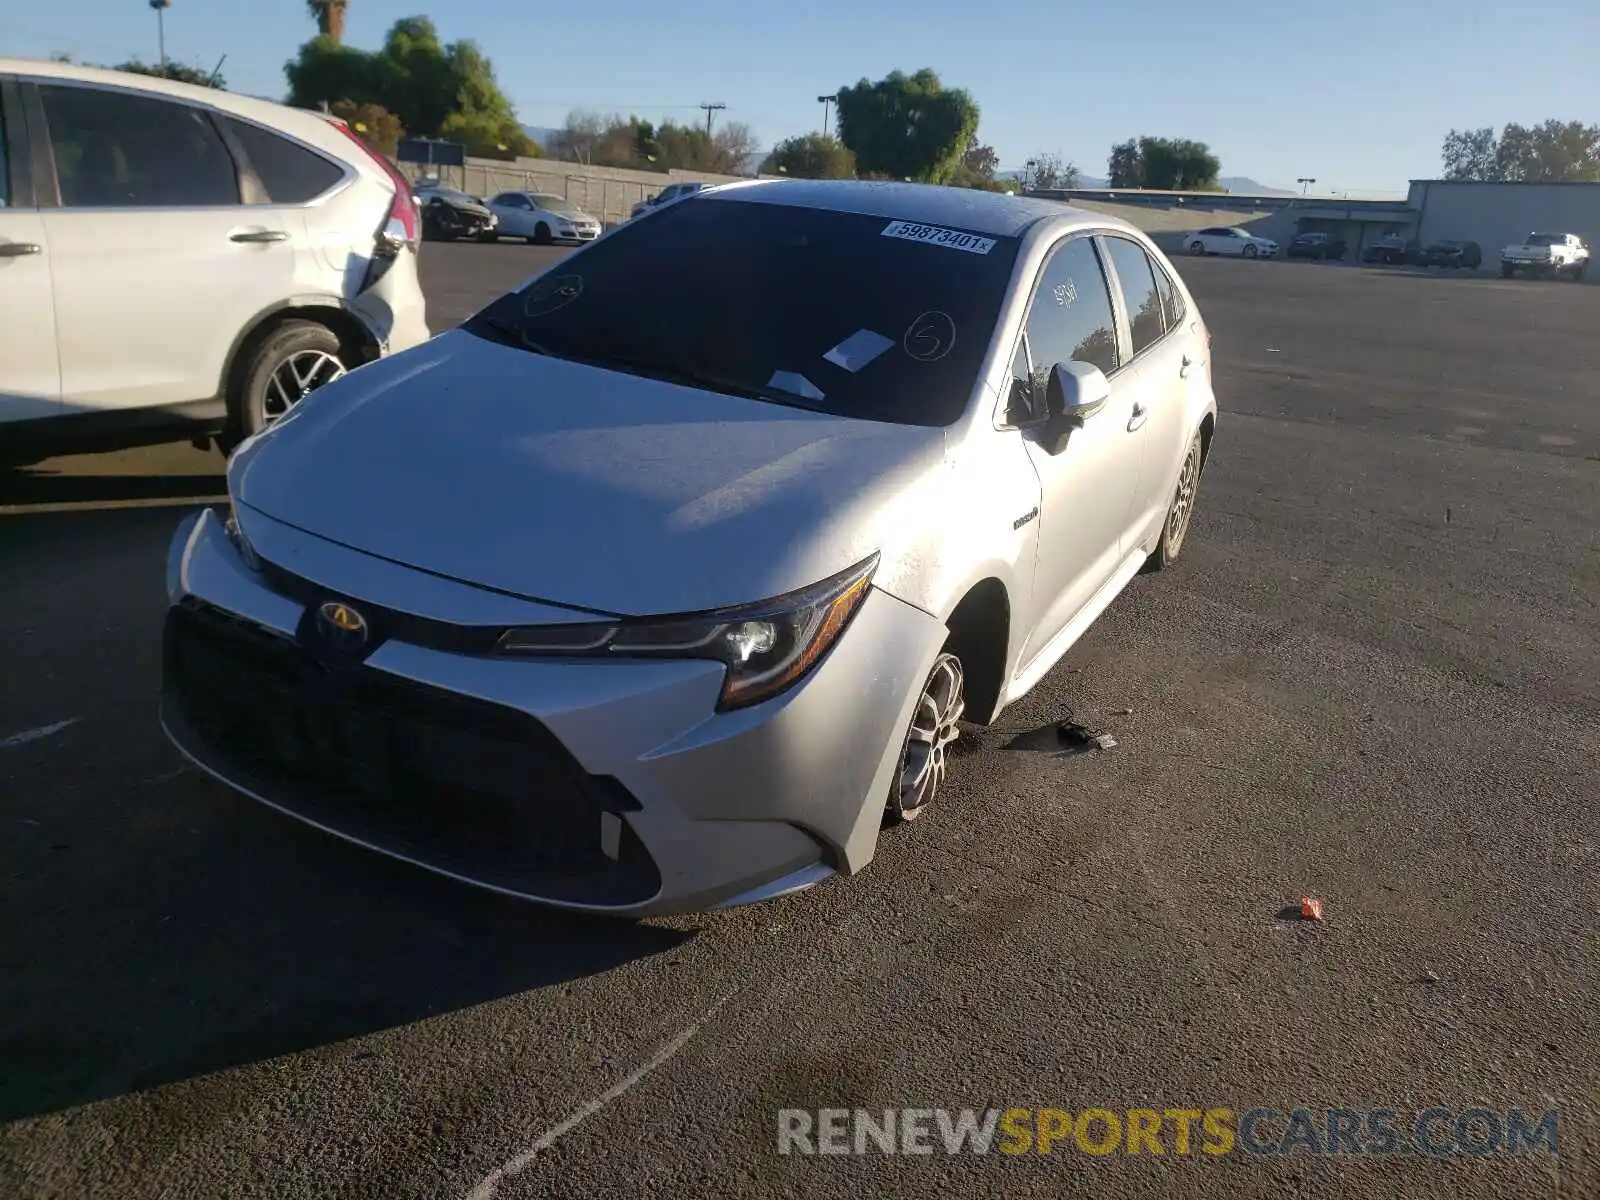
(1357, 94)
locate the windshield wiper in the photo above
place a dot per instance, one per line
(679, 372)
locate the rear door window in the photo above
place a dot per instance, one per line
(116, 149)
(1071, 320)
(1140, 296)
(291, 173)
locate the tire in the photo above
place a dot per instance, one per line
(1197, 247)
(283, 367)
(541, 234)
(1578, 272)
(1250, 252)
(1180, 513)
(923, 753)
(1507, 270)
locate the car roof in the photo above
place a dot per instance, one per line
(994, 213)
(315, 128)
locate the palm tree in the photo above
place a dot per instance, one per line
(329, 16)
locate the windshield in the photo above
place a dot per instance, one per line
(554, 203)
(1546, 239)
(800, 306)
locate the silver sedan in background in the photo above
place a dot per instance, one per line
(668, 579)
(542, 218)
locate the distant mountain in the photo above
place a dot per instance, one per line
(541, 135)
(1228, 183)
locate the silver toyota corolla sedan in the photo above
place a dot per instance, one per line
(665, 580)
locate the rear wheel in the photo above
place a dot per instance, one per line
(1197, 247)
(287, 365)
(1181, 510)
(935, 723)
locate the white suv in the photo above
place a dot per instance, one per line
(182, 261)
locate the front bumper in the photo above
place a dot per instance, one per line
(599, 786)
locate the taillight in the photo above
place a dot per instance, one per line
(402, 225)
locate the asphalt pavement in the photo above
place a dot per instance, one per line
(1373, 678)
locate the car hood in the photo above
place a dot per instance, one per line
(572, 485)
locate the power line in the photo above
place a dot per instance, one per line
(711, 110)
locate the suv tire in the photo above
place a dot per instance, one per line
(308, 354)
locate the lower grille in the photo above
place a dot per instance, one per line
(455, 783)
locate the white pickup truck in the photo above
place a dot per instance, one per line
(1542, 254)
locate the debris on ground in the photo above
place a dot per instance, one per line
(1080, 739)
(1310, 909)
(1122, 712)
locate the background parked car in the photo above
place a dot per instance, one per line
(674, 191)
(1391, 251)
(448, 214)
(1546, 255)
(183, 262)
(1317, 245)
(1231, 240)
(542, 218)
(1451, 254)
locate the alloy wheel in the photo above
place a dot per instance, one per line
(1183, 500)
(295, 378)
(934, 725)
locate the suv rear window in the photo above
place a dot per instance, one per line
(801, 306)
(114, 149)
(290, 173)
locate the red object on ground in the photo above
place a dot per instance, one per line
(1310, 909)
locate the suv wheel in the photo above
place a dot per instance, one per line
(924, 756)
(286, 366)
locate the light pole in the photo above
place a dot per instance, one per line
(1304, 181)
(161, 7)
(825, 101)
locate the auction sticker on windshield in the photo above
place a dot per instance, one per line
(934, 236)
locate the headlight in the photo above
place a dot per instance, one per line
(235, 533)
(767, 647)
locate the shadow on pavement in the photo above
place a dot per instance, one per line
(246, 937)
(153, 925)
(23, 486)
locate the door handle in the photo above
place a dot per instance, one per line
(1137, 420)
(1183, 371)
(19, 249)
(259, 235)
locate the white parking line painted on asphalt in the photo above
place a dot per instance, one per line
(33, 735)
(486, 1189)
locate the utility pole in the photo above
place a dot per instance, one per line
(161, 7)
(1304, 181)
(710, 111)
(825, 101)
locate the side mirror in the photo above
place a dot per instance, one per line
(1074, 392)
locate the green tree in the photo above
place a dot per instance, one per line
(1470, 154)
(434, 89)
(172, 70)
(376, 125)
(810, 156)
(1165, 164)
(1051, 171)
(1552, 152)
(907, 126)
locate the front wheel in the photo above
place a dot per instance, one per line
(541, 235)
(1181, 510)
(1507, 270)
(1251, 252)
(935, 723)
